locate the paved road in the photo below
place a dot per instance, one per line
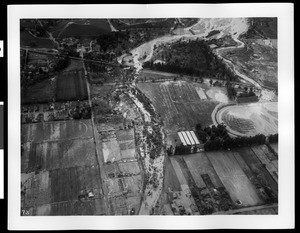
(74, 58)
(98, 146)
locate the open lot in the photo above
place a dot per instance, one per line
(111, 151)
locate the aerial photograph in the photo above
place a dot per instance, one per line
(149, 116)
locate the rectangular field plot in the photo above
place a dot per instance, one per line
(36, 189)
(127, 154)
(129, 168)
(111, 151)
(130, 185)
(110, 170)
(264, 211)
(67, 184)
(125, 135)
(41, 92)
(125, 145)
(60, 185)
(268, 153)
(51, 131)
(257, 168)
(100, 90)
(233, 178)
(58, 154)
(170, 178)
(198, 165)
(271, 166)
(133, 185)
(275, 147)
(178, 171)
(201, 93)
(88, 207)
(71, 86)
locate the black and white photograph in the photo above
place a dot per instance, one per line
(162, 116)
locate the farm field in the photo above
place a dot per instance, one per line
(198, 165)
(257, 168)
(26, 40)
(84, 27)
(233, 178)
(179, 105)
(124, 194)
(41, 92)
(275, 147)
(71, 86)
(265, 211)
(58, 165)
(59, 130)
(56, 192)
(239, 173)
(270, 163)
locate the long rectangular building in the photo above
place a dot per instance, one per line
(194, 137)
(182, 138)
(188, 138)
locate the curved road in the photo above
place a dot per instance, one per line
(231, 65)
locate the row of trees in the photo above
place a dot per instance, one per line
(217, 138)
(273, 138)
(230, 143)
(231, 92)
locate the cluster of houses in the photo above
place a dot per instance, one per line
(51, 111)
